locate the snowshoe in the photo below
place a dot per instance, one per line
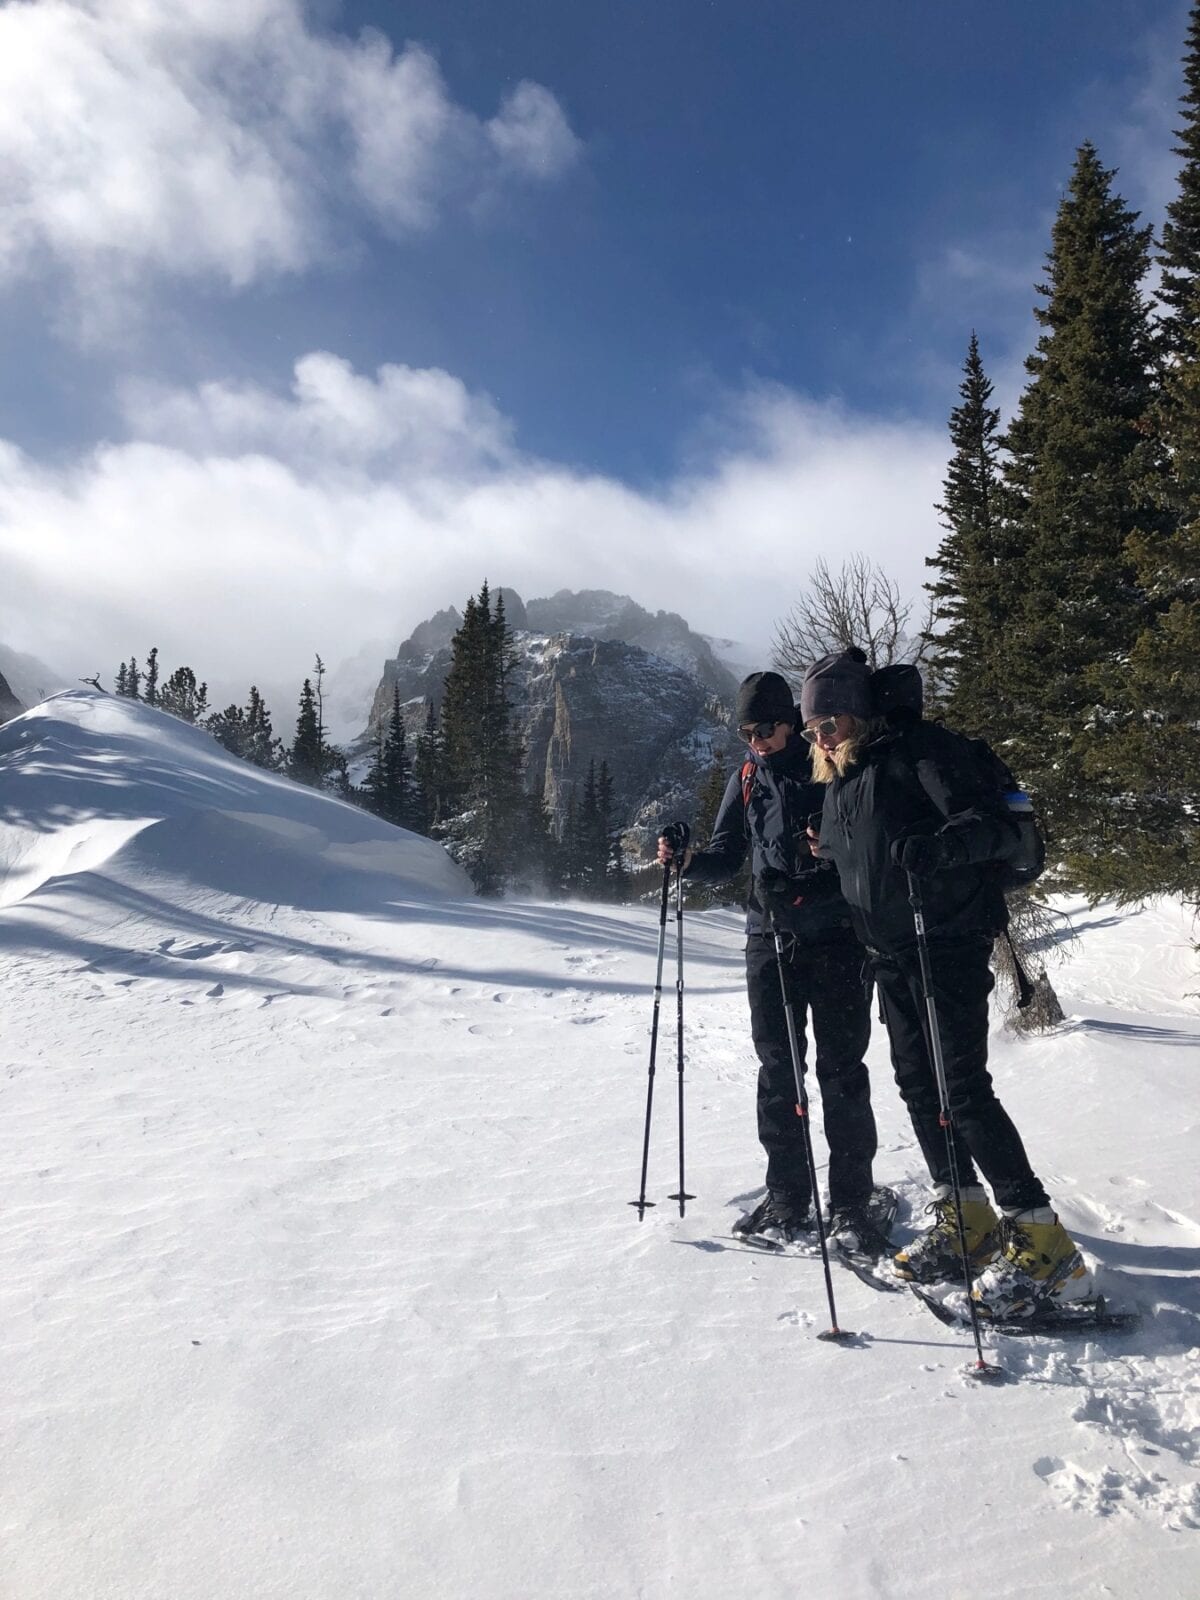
(864, 1228)
(1077, 1316)
(1038, 1269)
(860, 1237)
(780, 1219)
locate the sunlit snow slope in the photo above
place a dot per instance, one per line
(317, 1276)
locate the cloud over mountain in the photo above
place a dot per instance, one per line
(245, 529)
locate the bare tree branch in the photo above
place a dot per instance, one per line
(858, 605)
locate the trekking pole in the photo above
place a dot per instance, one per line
(682, 1196)
(833, 1332)
(982, 1369)
(641, 1202)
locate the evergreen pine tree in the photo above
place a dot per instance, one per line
(228, 728)
(312, 759)
(427, 773)
(133, 679)
(374, 784)
(972, 596)
(1180, 254)
(122, 687)
(262, 747)
(150, 682)
(540, 856)
(397, 768)
(1081, 474)
(1146, 749)
(183, 697)
(1151, 753)
(482, 756)
(306, 757)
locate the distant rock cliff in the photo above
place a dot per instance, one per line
(598, 678)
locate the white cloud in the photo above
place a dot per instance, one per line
(217, 139)
(404, 421)
(243, 531)
(532, 134)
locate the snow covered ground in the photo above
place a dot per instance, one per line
(317, 1276)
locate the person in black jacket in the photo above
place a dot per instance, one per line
(905, 796)
(765, 809)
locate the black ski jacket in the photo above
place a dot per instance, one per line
(773, 825)
(917, 778)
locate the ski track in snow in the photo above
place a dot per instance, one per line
(318, 1276)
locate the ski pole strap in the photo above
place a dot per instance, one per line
(1024, 986)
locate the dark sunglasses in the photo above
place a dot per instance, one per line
(756, 730)
(824, 729)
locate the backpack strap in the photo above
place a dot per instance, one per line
(747, 776)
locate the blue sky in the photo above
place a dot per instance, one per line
(665, 285)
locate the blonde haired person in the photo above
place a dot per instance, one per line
(904, 796)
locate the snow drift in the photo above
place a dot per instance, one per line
(110, 790)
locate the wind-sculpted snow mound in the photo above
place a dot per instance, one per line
(109, 792)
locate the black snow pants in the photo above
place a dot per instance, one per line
(826, 979)
(985, 1139)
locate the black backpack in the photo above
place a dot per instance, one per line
(898, 688)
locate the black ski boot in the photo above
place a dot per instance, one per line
(863, 1228)
(781, 1219)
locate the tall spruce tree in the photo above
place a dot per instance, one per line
(262, 747)
(1147, 749)
(1081, 474)
(150, 688)
(246, 731)
(388, 786)
(482, 754)
(228, 728)
(1152, 753)
(397, 768)
(312, 759)
(306, 762)
(428, 764)
(972, 595)
(1179, 257)
(374, 784)
(183, 697)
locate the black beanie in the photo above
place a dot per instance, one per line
(838, 683)
(764, 697)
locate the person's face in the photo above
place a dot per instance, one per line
(829, 732)
(765, 744)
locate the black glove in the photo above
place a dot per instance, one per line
(926, 853)
(776, 891)
(677, 835)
